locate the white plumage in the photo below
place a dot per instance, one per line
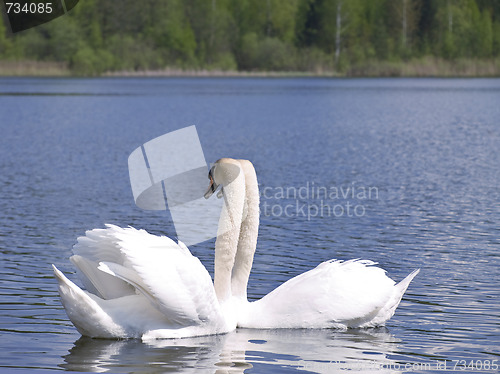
(140, 285)
(335, 294)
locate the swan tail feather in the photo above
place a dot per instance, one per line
(84, 311)
(390, 307)
(403, 285)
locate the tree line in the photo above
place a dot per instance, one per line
(257, 35)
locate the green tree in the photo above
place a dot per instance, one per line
(496, 38)
(485, 35)
(172, 33)
(308, 23)
(4, 42)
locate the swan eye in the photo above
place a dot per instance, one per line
(211, 178)
(213, 186)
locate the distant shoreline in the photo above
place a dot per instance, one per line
(427, 67)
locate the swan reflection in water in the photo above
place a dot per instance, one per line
(311, 350)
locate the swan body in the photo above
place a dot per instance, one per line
(146, 286)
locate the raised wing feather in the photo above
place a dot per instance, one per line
(99, 283)
(122, 261)
(177, 281)
(100, 245)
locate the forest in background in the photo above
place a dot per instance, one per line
(338, 37)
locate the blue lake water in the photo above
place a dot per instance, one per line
(405, 172)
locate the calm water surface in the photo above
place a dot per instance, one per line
(400, 171)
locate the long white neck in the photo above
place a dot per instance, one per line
(228, 234)
(247, 242)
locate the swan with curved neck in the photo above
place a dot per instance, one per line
(142, 285)
(335, 294)
(229, 175)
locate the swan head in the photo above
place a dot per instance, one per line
(222, 173)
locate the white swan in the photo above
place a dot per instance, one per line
(142, 285)
(335, 294)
